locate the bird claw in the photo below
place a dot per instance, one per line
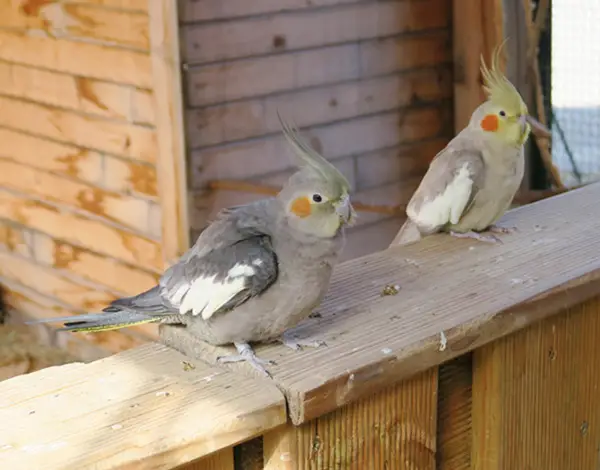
(498, 229)
(298, 344)
(246, 354)
(477, 236)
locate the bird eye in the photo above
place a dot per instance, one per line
(317, 198)
(502, 113)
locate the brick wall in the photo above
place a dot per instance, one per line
(79, 211)
(368, 81)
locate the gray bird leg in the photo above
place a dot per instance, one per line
(476, 236)
(296, 344)
(498, 229)
(246, 354)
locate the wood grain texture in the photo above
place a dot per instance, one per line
(78, 230)
(127, 140)
(392, 429)
(172, 161)
(81, 94)
(336, 140)
(221, 460)
(535, 395)
(257, 117)
(77, 58)
(194, 10)
(454, 435)
(74, 20)
(379, 340)
(143, 407)
(126, 211)
(222, 82)
(287, 31)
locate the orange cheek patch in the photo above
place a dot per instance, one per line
(301, 207)
(490, 123)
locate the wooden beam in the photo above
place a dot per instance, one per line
(477, 29)
(375, 340)
(168, 96)
(150, 407)
(395, 428)
(535, 395)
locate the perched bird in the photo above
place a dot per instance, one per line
(254, 272)
(472, 181)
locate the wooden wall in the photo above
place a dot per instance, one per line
(368, 81)
(80, 217)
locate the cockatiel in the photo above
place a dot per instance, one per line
(471, 183)
(256, 271)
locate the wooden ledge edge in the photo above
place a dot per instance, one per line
(435, 350)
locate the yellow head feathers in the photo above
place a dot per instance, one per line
(498, 88)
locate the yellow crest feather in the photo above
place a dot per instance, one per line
(499, 89)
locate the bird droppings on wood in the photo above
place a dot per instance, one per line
(386, 351)
(163, 394)
(116, 426)
(443, 341)
(187, 366)
(390, 290)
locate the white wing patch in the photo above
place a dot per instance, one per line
(206, 295)
(447, 206)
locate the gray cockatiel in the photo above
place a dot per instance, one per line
(256, 271)
(471, 183)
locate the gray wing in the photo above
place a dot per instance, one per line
(230, 264)
(448, 188)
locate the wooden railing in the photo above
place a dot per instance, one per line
(486, 358)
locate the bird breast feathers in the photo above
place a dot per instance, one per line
(207, 294)
(448, 205)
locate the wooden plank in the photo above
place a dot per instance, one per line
(211, 42)
(179, 412)
(130, 5)
(127, 140)
(396, 163)
(535, 395)
(81, 231)
(172, 160)
(73, 20)
(257, 117)
(77, 58)
(379, 339)
(119, 277)
(76, 93)
(126, 211)
(15, 240)
(204, 10)
(484, 22)
(26, 304)
(67, 160)
(218, 83)
(49, 282)
(393, 429)
(357, 136)
(221, 460)
(454, 434)
(74, 162)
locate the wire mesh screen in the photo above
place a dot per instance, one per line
(575, 91)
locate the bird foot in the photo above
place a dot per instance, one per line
(246, 354)
(498, 229)
(477, 236)
(297, 344)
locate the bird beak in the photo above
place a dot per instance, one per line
(344, 209)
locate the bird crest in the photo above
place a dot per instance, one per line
(312, 159)
(498, 88)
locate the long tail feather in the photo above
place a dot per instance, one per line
(99, 321)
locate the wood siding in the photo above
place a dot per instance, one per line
(369, 83)
(80, 213)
